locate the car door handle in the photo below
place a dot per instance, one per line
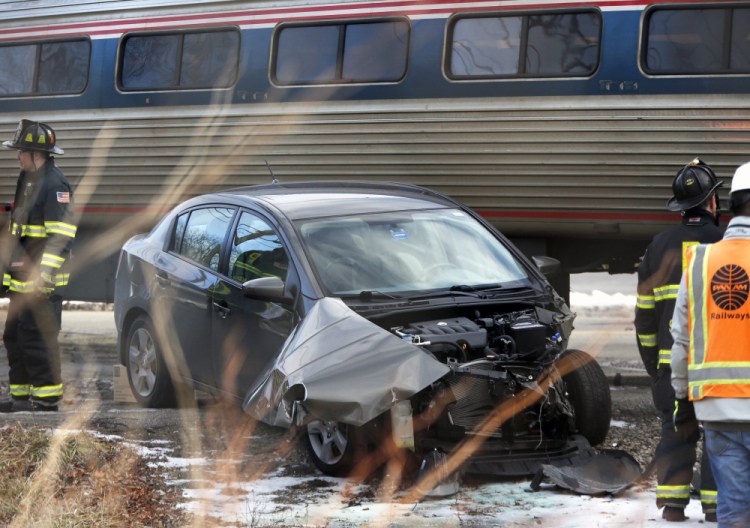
(222, 308)
(162, 278)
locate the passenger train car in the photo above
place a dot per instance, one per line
(562, 122)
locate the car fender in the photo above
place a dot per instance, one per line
(339, 366)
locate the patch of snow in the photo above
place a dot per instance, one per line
(600, 299)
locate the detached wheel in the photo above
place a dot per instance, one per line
(588, 392)
(147, 371)
(333, 446)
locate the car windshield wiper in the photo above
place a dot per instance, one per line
(466, 291)
(367, 295)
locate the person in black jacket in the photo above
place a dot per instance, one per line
(695, 197)
(42, 230)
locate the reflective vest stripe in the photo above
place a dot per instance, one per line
(19, 391)
(709, 496)
(51, 260)
(673, 492)
(60, 228)
(647, 340)
(698, 317)
(58, 279)
(665, 356)
(720, 372)
(42, 231)
(645, 302)
(49, 391)
(33, 231)
(668, 291)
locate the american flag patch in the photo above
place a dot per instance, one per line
(63, 197)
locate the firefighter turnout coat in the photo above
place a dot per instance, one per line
(42, 228)
(658, 281)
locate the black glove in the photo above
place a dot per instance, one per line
(685, 422)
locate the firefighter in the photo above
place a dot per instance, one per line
(695, 197)
(711, 354)
(42, 231)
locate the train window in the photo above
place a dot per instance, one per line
(179, 61)
(299, 62)
(341, 53)
(44, 68)
(697, 41)
(375, 52)
(536, 45)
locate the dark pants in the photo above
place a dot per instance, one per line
(31, 329)
(676, 456)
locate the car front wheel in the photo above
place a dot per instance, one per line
(333, 446)
(589, 394)
(147, 370)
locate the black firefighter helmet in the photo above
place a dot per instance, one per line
(692, 186)
(32, 135)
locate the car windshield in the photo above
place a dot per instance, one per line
(408, 251)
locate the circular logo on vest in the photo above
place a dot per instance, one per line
(729, 287)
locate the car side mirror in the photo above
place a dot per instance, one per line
(547, 265)
(271, 289)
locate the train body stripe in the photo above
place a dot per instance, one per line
(269, 17)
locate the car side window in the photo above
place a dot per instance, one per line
(256, 251)
(199, 235)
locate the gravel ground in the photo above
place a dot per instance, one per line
(635, 423)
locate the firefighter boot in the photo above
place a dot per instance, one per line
(673, 514)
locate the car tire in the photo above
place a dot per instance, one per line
(148, 374)
(334, 447)
(588, 392)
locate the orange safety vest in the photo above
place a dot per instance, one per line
(718, 285)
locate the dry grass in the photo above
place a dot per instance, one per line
(63, 479)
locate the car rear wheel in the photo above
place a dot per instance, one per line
(588, 392)
(333, 446)
(147, 370)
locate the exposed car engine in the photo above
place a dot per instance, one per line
(504, 364)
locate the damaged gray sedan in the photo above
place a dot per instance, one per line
(360, 312)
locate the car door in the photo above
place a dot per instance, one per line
(247, 333)
(186, 276)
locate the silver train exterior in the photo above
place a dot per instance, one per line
(577, 167)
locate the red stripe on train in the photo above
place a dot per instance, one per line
(305, 13)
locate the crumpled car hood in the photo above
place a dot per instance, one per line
(341, 367)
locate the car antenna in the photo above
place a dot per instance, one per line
(274, 181)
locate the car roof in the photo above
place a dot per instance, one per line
(321, 199)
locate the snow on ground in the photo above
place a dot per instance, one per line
(502, 503)
(599, 299)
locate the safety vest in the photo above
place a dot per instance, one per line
(718, 284)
